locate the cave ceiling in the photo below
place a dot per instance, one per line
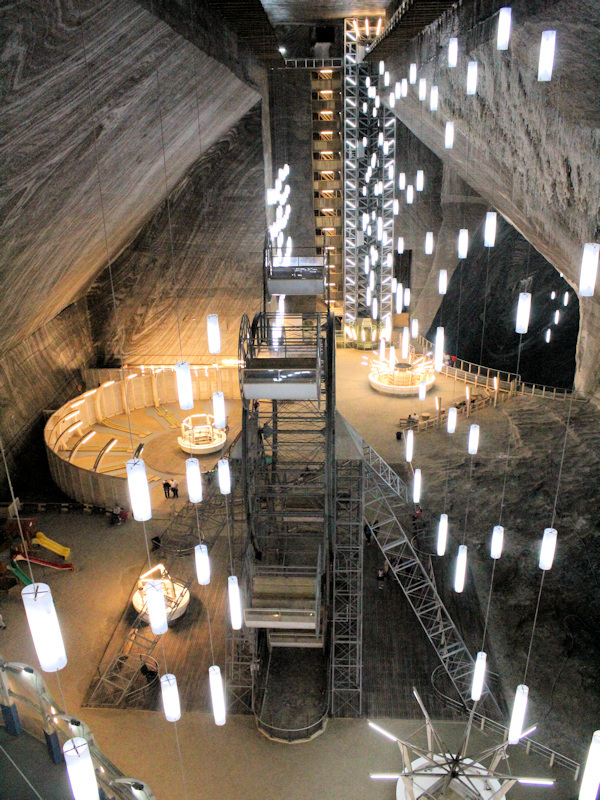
(285, 12)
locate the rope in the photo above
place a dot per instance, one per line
(14, 499)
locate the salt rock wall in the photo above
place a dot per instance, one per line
(200, 253)
(530, 149)
(480, 308)
(97, 97)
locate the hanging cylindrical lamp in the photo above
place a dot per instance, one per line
(185, 390)
(202, 564)
(80, 769)
(442, 536)
(472, 78)
(417, 486)
(566, 299)
(157, 610)
(374, 308)
(463, 242)
(139, 493)
(399, 295)
(235, 602)
(382, 349)
(429, 243)
(589, 269)
(193, 480)
(392, 358)
(461, 569)
(422, 390)
(478, 676)
(497, 542)
(217, 695)
(449, 135)
(503, 37)
(489, 232)
(548, 335)
(438, 358)
(214, 335)
(409, 445)
(452, 52)
(406, 299)
(433, 98)
(556, 317)
(410, 194)
(523, 311)
(546, 61)
(591, 774)
(452, 415)
(422, 89)
(414, 328)
(170, 697)
(218, 402)
(473, 440)
(44, 626)
(405, 342)
(281, 304)
(420, 180)
(400, 245)
(372, 280)
(224, 476)
(443, 281)
(402, 181)
(548, 548)
(517, 718)
(412, 74)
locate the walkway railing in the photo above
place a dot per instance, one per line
(314, 63)
(385, 472)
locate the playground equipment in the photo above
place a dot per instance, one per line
(43, 563)
(199, 435)
(50, 544)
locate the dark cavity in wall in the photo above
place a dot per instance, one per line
(479, 311)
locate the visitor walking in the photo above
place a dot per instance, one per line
(167, 488)
(174, 487)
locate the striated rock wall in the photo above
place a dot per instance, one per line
(212, 264)
(97, 96)
(530, 149)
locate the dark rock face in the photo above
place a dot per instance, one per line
(200, 253)
(479, 311)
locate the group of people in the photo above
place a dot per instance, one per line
(171, 486)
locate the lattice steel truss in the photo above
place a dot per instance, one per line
(369, 188)
(383, 507)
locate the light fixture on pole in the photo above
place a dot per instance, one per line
(517, 718)
(591, 774)
(443, 281)
(214, 334)
(478, 676)
(417, 486)
(80, 769)
(449, 135)
(589, 269)
(139, 493)
(235, 602)
(442, 536)
(157, 610)
(185, 390)
(489, 233)
(497, 542)
(546, 61)
(170, 697)
(452, 414)
(504, 19)
(202, 564)
(547, 549)
(453, 52)
(409, 445)
(217, 695)
(438, 358)
(461, 569)
(193, 480)
(473, 440)
(224, 476)
(523, 310)
(44, 626)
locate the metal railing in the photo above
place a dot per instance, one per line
(385, 472)
(314, 63)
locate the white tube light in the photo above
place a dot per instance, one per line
(383, 732)
(235, 602)
(398, 305)
(546, 61)
(193, 480)
(523, 311)
(422, 89)
(552, 295)
(44, 626)
(214, 335)
(217, 694)
(473, 440)
(382, 349)
(368, 296)
(429, 243)
(589, 269)
(591, 774)
(461, 569)
(202, 564)
(420, 181)
(504, 18)
(449, 135)
(556, 317)
(400, 245)
(157, 611)
(443, 281)
(438, 359)
(381, 67)
(396, 207)
(367, 265)
(548, 335)
(414, 328)
(406, 299)
(463, 243)
(224, 476)
(374, 308)
(497, 542)
(372, 280)
(442, 537)
(80, 769)
(170, 697)
(386, 78)
(281, 302)
(489, 233)
(402, 181)
(453, 52)
(404, 88)
(422, 391)
(185, 391)
(139, 493)
(409, 445)
(218, 402)
(566, 299)
(434, 95)
(405, 342)
(410, 194)
(518, 714)
(417, 486)
(472, 78)
(451, 423)
(478, 676)
(392, 358)
(412, 74)
(547, 549)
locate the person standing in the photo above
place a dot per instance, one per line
(174, 487)
(167, 488)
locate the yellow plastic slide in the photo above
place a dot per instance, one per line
(49, 544)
